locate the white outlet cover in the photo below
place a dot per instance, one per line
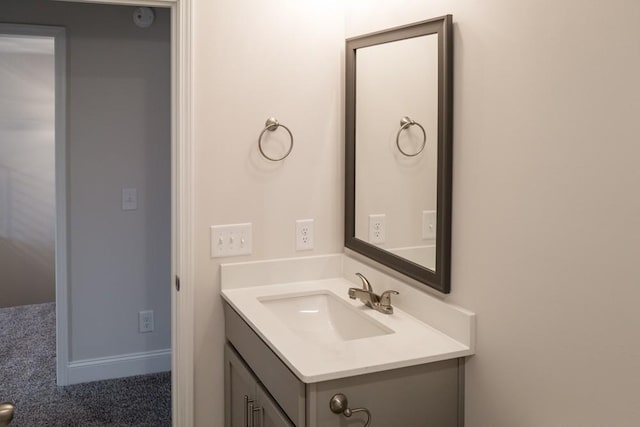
(377, 228)
(304, 234)
(429, 219)
(145, 321)
(231, 240)
(129, 199)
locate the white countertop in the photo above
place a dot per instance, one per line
(412, 341)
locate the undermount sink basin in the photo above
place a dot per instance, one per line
(323, 317)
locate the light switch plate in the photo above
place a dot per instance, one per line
(231, 240)
(429, 219)
(129, 199)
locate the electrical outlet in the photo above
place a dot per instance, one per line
(377, 228)
(231, 240)
(304, 234)
(145, 321)
(129, 199)
(429, 219)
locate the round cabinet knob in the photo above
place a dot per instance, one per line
(6, 413)
(339, 403)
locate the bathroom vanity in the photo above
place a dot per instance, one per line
(294, 345)
(301, 352)
(258, 384)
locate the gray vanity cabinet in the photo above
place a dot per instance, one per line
(247, 403)
(428, 395)
(417, 396)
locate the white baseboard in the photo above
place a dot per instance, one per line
(123, 365)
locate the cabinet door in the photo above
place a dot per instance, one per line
(240, 390)
(270, 414)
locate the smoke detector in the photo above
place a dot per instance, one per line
(143, 17)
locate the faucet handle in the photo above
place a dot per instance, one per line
(365, 283)
(385, 298)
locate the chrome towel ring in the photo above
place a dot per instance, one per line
(405, 123)
(271, 125)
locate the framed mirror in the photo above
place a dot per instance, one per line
(399, 107)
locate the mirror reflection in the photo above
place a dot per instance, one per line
(396, 147)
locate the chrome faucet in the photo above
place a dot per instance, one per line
(381, 303)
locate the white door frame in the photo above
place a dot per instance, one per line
(182, 302)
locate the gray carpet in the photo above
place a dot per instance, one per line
(28, 380)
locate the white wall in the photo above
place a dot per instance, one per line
(27, 205)
(119, 136)
(545, 212)
(255, 59)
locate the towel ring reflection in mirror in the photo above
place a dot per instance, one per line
(271, 125)
(406, 123)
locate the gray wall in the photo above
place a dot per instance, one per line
(27, 202)
(119, 136)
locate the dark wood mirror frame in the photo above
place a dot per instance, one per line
(440, 278)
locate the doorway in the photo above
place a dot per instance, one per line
(96, 224)
(27, 162)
